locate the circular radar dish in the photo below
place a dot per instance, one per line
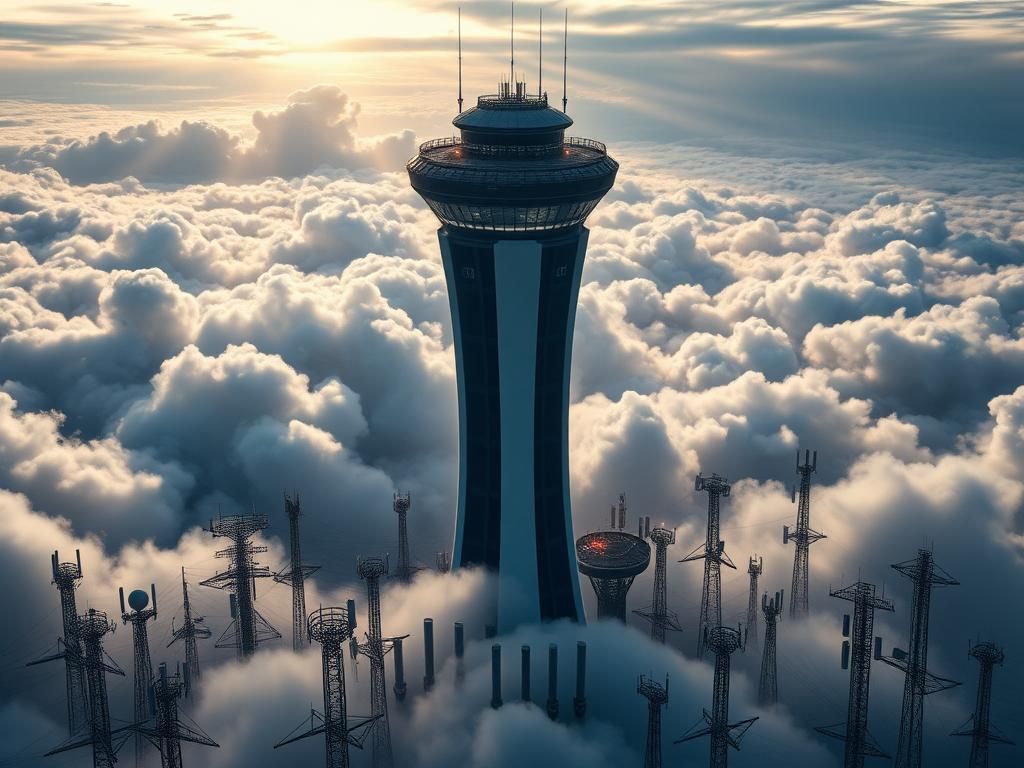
(138, 599)
(612, 555)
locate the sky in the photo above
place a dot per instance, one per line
(216, 285)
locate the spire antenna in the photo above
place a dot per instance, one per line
(565, 57)
(460, 59)
(540, 54)
(512, 47)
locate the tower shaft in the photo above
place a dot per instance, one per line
(191, 629)
(405, 570)
(335, 705)
(142, 676)
(803, 536)
(66, 577)
(918, 681)
(983, 734)
(375, 648)
(168, 731)
(659, 615)
(723, 642)
(768, 687)
(858, 741)
(611, 597)
(657, 697)
(754, 569)
(713, 555)
(299, 638)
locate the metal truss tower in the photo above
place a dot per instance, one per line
(755, 569)
(66, 577)
(142, 676)
(166, 731)
(375, 648)
(657, 697)
(979, 727)
(857, 656)
(918, 681)
(295, 574)
(331, 628)
(90, 628)
(712, 552)
(803, 536)
(191, 629)
(659, 615)
(405, 570)
(248, 628)
(768, 688)
(722, 641)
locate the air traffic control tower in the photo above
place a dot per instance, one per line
(512, 193)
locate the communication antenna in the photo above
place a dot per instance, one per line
(512, 47)
(565, 57)
(540, 54)
(460, 60)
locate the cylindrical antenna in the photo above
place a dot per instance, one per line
(460, 60)
(565, 58)
(540, 55)
(579, 702)
(120, 593)
(351, 611)
(460, 650)
(496, 676)
(400, 686)
(428, 654)
(525, 673)
(152, 591)
(552, 703)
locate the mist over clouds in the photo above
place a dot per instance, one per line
(196, 319)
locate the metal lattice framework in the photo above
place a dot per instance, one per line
(331, 628)
(979, 727)
(66, 577)
(192, 628)
(657, 697)
(376, 647)
(712, 552)
(296, 572)
(859, 742)
(918, 681)
(166, 731)
(90, 628)
(723, 642)
(248, 628)
(142, 674)
(803, 536)
(754, 570)
(404, 572)
(768, 687)
(659, 615)
(611, 560)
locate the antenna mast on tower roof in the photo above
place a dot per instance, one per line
(460, 60)
(540, 54)
(512, 47)
(565, 57)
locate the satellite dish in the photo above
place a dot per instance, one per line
(138, 599)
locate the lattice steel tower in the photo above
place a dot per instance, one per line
(248, 627)
(90, 628)
(803, 536)
(295, 574)
(166, 732)
(511, 193)
(611, 560)
(192, 628)
(405, 570)
(768, 687)
(723, 642)
(375, 648)
(754, 569)
(66, 577)
(142, 675)
(857, 656)
(659, 615)
(918, 681)
(979, 727)
(331, 627)
(712, 552)
(657, 697)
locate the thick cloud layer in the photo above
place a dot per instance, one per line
(182, 338)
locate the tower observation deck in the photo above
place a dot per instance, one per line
(512, 192)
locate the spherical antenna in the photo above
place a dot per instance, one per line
(138, 599)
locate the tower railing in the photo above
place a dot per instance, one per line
(526, 150)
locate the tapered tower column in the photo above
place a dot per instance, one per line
(512, 193)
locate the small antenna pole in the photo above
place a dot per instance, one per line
(540, 55)
(565, 57)
(512, 47)
(460, 60)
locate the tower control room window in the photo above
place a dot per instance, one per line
(469, 273)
